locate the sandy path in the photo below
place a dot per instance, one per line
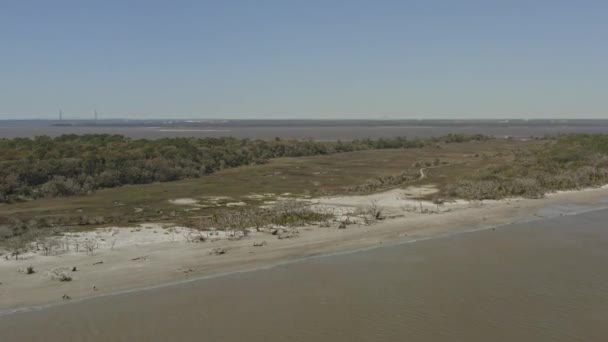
(176, 261)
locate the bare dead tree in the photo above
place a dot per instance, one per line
(90, 246)
(17, 245)
(374, 210)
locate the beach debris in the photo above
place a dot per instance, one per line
(194, 236)
(61, 274)
(186, 270)
(218, 251)
(259, 243)
(236, 235)
(66, 297)
(325, 224)
(342, 225)
(145, 257)
(27, 270)
(74, 269)
(98, 263)
(94, 288)
(288, 235)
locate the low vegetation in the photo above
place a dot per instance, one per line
(284, 214)
(569, 162)
(385, 182)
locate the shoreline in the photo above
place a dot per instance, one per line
(172, 263)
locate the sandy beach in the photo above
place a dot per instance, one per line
(129, 259)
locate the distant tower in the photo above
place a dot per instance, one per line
(60, 115)
(95, 115)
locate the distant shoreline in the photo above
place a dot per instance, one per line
(326, 130)
(172, 122)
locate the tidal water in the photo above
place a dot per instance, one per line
(538, 281)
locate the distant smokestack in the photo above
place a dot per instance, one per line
(60, 115)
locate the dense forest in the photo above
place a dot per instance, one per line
(80, 164)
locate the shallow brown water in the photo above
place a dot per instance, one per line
(540, 281)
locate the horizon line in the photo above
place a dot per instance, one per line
(309, 119)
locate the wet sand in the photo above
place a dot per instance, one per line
(538, 281)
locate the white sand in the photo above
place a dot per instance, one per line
(183, 201)
(236, 204)
(394, 202)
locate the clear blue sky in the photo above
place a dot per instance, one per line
(304, 59)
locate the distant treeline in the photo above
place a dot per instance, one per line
(79, 164)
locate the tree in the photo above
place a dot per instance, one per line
(17, 245)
